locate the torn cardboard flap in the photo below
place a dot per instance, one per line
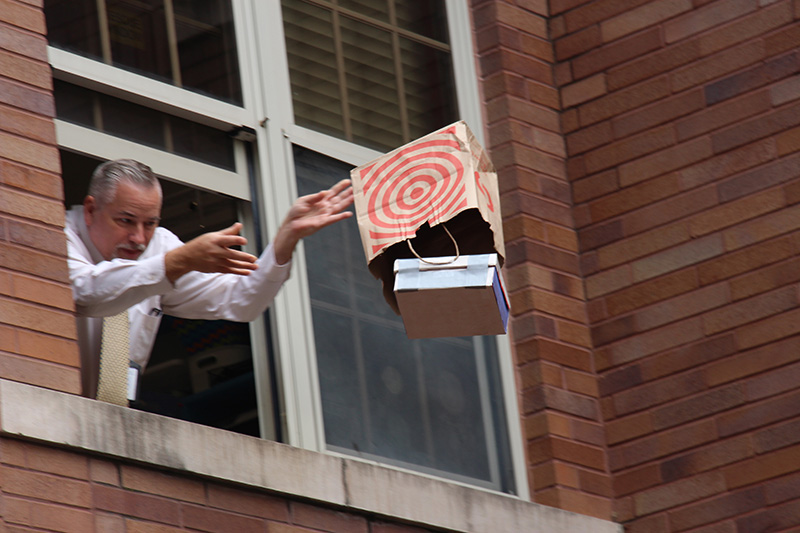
(444, 178)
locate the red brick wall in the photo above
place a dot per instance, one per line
(647, 154)
(682, 128)
(37, 327)
(681, 124)
(557, 384)
(55, 490)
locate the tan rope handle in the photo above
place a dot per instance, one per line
(458, 254)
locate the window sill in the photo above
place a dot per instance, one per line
(88, 426)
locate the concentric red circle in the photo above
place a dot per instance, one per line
(422, 183)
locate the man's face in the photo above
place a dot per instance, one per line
(123, 228)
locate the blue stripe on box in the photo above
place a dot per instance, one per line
(502, 304)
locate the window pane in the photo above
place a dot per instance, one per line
(376, 9)
(369, 74)
(73, 25)
(429, 83)
(207, 47)
(75, 104)
(432, 405)
(201, 370)
(143, 125)
(427, 18)
(371, 85)
(130, 121)
(189, 43)
(138, 36)
(312, 67)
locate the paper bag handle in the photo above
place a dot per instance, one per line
(458, 254)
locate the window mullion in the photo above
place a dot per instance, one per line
(172, 42)
(105, 35)
(466, 77)
(291, 319)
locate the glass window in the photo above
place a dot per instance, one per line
(199, 370)
(143, 125)
(433, 405)
(375, 72)
(189, 43)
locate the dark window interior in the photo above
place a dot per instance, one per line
(200, 371)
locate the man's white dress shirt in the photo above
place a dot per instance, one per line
(104, 288)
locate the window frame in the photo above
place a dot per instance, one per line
(292, 322)
(164, 97)
(269, 183)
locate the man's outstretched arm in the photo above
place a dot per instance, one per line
(213, 252)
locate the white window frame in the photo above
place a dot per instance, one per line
(292, 318)
(98, 76)
(268, 110)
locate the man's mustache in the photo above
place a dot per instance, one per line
(137, 247)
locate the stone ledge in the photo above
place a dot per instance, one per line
(89, 426)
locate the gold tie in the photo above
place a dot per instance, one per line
(112, 385)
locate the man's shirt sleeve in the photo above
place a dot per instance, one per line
(228, 296)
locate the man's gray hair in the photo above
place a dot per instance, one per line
(106, 179)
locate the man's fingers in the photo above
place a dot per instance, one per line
(240, 257)
(236, 271)
(342, 191)
(339, 187)
(229, 265)
(225, 255)
(233, 229)
(227, 241)
(337, 217)
(311, 226)
(240, 268)
(344, 201)
(315, 198)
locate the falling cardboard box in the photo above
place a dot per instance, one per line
(451, 296)
(434, 197)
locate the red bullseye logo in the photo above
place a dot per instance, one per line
(421, 183)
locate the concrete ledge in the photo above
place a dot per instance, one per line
(86, 425)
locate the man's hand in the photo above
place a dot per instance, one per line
(211, 252)
(310, 214)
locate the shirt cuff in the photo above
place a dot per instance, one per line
(155, 273)
(269, 257)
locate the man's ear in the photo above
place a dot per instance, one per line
(89, 209)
